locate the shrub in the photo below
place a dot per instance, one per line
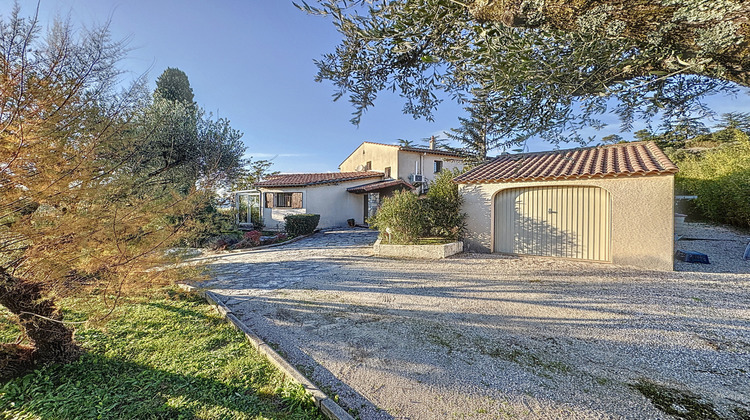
(204, 226)
(301, 224)
(220, 243)
(403, 214)
(443, 215)
(253, 237)
(721, 180)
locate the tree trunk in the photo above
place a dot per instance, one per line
(41, 321)
(706, 37)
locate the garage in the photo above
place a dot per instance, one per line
(554, 221)
(612, 203)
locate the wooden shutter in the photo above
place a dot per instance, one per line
(269, 201)
(297, 200)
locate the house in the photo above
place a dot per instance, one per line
(371, 172)
(320, 193)
(608, 204)
(417, 165)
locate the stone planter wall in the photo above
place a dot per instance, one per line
(428, 252)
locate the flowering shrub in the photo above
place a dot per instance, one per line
(253, 237)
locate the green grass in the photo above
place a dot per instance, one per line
(167, 356)
(683, 405)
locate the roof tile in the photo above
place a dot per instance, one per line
(303, 180)
(625, 159)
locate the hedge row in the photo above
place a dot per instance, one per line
(301, 224)
(721, 180)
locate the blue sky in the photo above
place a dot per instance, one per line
(252, 62)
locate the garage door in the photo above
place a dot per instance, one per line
(565, 221)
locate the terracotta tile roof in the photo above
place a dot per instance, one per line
(379, 185)
(624, 159)
(303, 180)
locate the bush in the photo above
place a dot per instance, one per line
(220, 243)
(208, 222)
(444, 216)
(403, 214)
(721, 180)
(301, 224)
(249, 240)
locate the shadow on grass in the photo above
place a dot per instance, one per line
(101, 387)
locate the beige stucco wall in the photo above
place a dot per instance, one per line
(331, 201)
(642, 216)
(407, 164)
(402, 163)
(381, 156)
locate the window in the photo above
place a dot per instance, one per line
(437, 166)
(368, 165)
(283, 200)
(387, 171)
(293, 200)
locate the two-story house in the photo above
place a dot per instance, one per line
(368, 174)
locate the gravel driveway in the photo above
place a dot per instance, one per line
(487, 336)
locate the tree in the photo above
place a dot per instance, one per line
(173, 85)
(406, 143)
(254, 171)
(735, 120)
(612, 139)
(480, 133)
(549, 66)
(78, 202)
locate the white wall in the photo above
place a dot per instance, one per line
(407, 162)
(331, 201)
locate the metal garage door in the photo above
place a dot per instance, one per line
(568, 222)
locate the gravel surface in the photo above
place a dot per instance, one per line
(490, 336)
(723, 245)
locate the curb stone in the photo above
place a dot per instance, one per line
(327, 406)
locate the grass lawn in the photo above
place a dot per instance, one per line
(168, 355)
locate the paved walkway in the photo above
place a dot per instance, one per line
(243, 275)
(486, 336)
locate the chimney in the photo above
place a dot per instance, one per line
(432, 143)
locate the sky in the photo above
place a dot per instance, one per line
(251, 61)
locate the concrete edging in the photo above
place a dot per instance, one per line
(327, 406)
(427, 252)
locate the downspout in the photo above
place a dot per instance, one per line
(421, 166)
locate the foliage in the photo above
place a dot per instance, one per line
(222, 242)
(549, 69)
(301, 224)
(720, 177)
(86, 199)
(401, 217)
(173, 85)
(167, 355)
(252, 172)
(187, 146)
(481, 132)
(444, 217)
(206, 223)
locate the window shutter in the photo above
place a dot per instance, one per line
(269, 200)
(297, 200)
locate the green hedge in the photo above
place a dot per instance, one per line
(401, 217)
(721, 180)
(444, 217)
(301, 224)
